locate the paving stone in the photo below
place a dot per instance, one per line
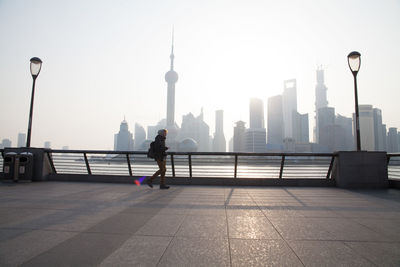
(388, 229)
(301, 228)
(138, 251)
(24, 247)
(247, 227)
(161, 225)
(380, 253)
(187, 251)
(327, 253)
(262, 253)
(203, 226)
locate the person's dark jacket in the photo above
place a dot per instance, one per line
(160, 148)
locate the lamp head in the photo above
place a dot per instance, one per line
(36, 65)
(354, 60)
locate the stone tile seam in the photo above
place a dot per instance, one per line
(368, 260)
(227, 229)
(174, 236)
(284, 240)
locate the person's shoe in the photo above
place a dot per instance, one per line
(163, 186)
(149, 182)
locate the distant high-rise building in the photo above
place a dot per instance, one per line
(230, 145)
(393, 140)
(378, 130)
(289, 104)
(5, 143)
(47, 144)
(171, 77)
(384, 133)
(332, 137)
(300, 128)
(320, 91)
(219, 142)
(255, 140)
(320, 99)
(275, 120)
(367, 134)
(21, 140)
(346, 124)
(256, 113)
(326, 122)
(239, 132)
(256, 136)
(196, 129)
(140, 136)
(124, 138)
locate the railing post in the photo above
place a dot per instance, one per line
(173, 165)
(53, 168)
(282, 164)
(87, 164)
(129, 164)
(190, 165)
(236, 161)
(330, 167)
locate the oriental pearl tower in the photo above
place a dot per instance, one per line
(171, 77)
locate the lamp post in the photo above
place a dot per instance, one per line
(36, 65)
(354, 60)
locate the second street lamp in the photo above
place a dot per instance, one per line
(36, 66)
(354, 61)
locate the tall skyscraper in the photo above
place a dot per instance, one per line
(140, 136)
(275, 120)
(300, 128)
(239, 132)
(21, 140)
(5, 143)
(367, 133)
(255, 137)
(219, 142)
(326, 122)
(393, 140)
(346, 124)
(320, 99)
(378, 130)
(124, 138)
(289, 100)
(171, 77)
(384, 133)
(256, 113)
(320, 91)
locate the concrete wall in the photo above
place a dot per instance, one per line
(361, 169)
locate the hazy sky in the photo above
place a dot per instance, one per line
(103, 60)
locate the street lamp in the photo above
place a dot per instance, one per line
(354, 60)
(36, 65)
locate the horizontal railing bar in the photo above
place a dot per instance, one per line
(249, 154)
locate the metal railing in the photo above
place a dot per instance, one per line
(1, 160)
(393, 166)
(195, 164)
(202, 164)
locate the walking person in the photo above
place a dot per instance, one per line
(160, 156)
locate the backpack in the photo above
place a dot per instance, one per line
(152, 151)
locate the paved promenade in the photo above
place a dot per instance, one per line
(93, 224)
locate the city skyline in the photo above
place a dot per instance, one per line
(110, 60)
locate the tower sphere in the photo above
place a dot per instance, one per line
(171, 76)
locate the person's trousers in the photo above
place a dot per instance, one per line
(162, 168)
